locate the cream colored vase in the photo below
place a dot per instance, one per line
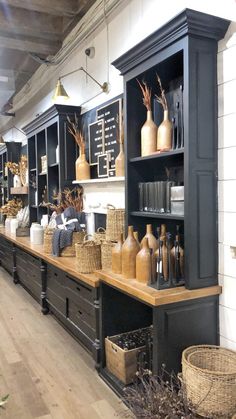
(120, 162)
(82, 168)
(148, 136)
(164, 134)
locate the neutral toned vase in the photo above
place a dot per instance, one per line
(152, 244)
(164, 134)
(120, 162)
(137, 238)
(116, 256)
(130, 249)
(144, 263)
(16, 181)
(82, 168)
(148, 136)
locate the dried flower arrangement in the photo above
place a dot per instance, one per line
(74, 130)
(68, 198)
(162, 397)
(23, 168)
(147, 94)
(12, 207)
(162, 98)
(13, 167)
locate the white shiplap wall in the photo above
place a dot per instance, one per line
(227, 185)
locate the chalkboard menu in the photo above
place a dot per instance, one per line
(96, 141)
(111, 114)
(103, 164)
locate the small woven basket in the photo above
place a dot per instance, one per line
(99, 235)
(209, 375)
(106, 251)
(77, 237)
(47, 240)
(88, 256)
(115, 223)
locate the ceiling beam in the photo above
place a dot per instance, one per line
(36, 45)
(53, 7)
(19, 22)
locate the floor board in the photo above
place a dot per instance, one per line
(47, 374)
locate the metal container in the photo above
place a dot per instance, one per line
(177, 193)
(177, 207)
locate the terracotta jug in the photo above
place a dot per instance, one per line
(82, 168)
(148, 136)
(144, 263)
(116, 256)
(152, 244)
(130, 249)
(164, 134)
(120, 162)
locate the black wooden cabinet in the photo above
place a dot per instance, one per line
(183, 52)
(6, 255)
(28, 272)
(48, 137)
(4, 190)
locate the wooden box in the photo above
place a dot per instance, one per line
(120, 362)
(22, 231)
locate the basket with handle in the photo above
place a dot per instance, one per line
(88, 256)
(209, 376)
(99, 235)
(77, 237)
(115, 222)
(106, 251)
(47, 240)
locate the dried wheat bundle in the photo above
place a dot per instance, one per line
(162, 98)
(147, 94)
(74, 130)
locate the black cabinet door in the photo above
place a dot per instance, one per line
(29, 272)
(6, 254)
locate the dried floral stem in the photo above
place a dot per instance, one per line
(76, 133)
(162, 98)
(147, 94)
(12, 207)
(68, 198)
(120, 130)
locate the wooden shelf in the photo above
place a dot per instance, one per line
(158, 156)
(22, 190)
(54, 165)
(100, 180)
(165, 216)
(33, 170)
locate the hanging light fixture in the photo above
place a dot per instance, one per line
(60, 91)
(2, 142)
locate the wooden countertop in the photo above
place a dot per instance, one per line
(66, 264)
(129, 286)
(152, 296)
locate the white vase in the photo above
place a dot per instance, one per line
(16, 181)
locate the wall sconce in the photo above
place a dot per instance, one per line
(60, 91)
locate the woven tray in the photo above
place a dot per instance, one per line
(88, 256)
(115, 223)
(209, 375)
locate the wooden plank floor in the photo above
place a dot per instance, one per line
(46, 372)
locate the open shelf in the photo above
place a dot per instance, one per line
(157, 155)
(33, 170)
(22, 190)
(157, 215)
(53, 164)
(100, 180)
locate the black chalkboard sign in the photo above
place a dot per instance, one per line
(111, 114)
(103, 164)
(96, 141)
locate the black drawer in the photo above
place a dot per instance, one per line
(79, 289)
(82, 319)
(29, 272)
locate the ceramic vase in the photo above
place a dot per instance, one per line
(120, 162)
(164, 134)
(82, 168)
(148, 136)
(152, 244)
(16, 181)
(130, 249)
(116, 256)
(144, 263)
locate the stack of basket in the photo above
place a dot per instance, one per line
(209, 376)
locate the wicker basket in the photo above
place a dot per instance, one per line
(115, 224)
(88, 256)
(209, 375)
(106, 250)
(78, 237)
(99, 235)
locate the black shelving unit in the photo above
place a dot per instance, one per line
(4, 189)
(48, 136)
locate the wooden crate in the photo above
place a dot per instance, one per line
(122, 363)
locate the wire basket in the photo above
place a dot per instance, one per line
(209, 375)
(88, 256)
(115, 223)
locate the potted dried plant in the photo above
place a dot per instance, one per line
(149, 129)
(82, 168)
(164, 134)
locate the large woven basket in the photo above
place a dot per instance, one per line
(88, 256)
(78, 237)
(99, 235)
(209, 375)
(115, 223)
(106, 250)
